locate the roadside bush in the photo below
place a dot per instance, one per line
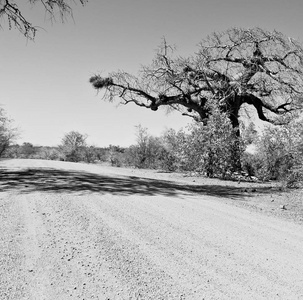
(279, 154)
(73, 146)
(213, 148)
(209, 149)
(249, 164)
(13, 151)
(49, 153)
(27, 150)
(174, 147)
(89, 154)
(8, 134)
(116, 156)
(148, 153)
(101, 154)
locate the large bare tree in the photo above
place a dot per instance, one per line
(9, 9)
(230, 69)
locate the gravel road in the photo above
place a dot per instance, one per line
(76, 231)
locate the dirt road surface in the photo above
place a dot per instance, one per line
(76, 231)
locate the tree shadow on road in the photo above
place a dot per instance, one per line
(65, 181)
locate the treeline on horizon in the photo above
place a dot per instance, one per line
(208, 150)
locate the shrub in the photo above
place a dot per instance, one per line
(73, 146)
(279, 154)
(213, 149)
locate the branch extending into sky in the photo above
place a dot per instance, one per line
(10, 10)
(232, 68)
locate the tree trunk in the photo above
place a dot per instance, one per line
(234, 119)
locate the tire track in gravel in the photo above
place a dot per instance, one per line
(12, 277)
(34, 238)
(223, 263)
(103, 260)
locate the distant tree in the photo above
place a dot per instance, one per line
(148, 152)
(13, 151)
(101, 154)
(90, 154)
(8, 133)
(73, 146)
(9, 10)
(116, 155)
(141, 150)
(231, 69)
(49, 153)
(27, 150)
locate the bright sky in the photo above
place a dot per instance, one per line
(44, 84)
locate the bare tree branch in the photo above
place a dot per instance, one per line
(10, 10)
(253, 66)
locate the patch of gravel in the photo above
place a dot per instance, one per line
(76, 231)
(269, 198)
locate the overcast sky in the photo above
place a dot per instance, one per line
(44, 84)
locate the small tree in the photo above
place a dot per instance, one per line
(27, 150)
(175, 154)
(8, 133)
(12, 151)
(116, 155)
(49, 153)
(90, 154)
(141, 149)
(138, 155)
(148, 152)
(73, 146)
